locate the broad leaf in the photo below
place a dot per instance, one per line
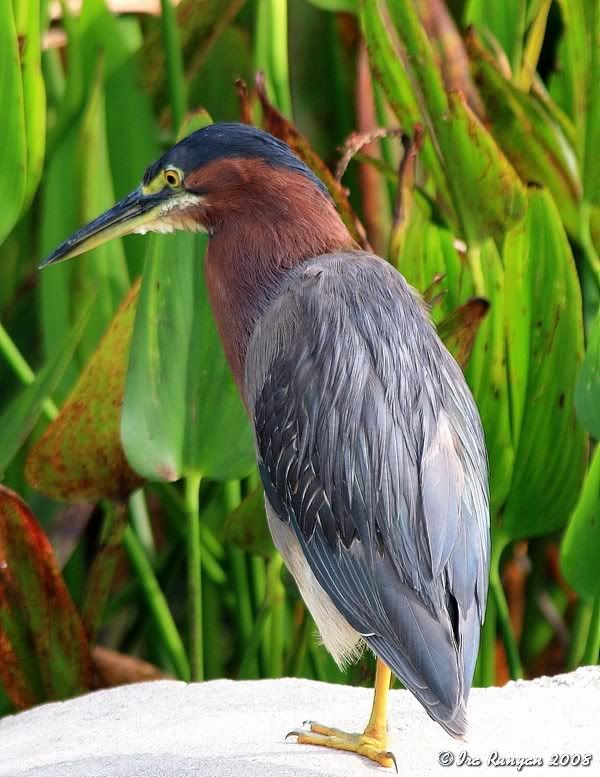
(59, 207)
(103, 268)
(545, 345)
(532, 140)
(80, 456)
(77, 188)
(427, 253)
(34, 93)
(247, 526)
(591, 168)
(22, 414)
(13, 149)
(337, 6)
(130, 129)
(485, 191)
(575, 57)
(103, 568)
(44, 653)
(580, 548)
(587, 393)
(487, 376)
(505, 19)
(182, 413)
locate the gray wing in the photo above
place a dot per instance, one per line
(371, 448)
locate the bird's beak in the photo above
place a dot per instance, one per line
(134, 213)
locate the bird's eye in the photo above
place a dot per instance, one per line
(173, 178)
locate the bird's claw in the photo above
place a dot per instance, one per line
(392, 757)
(365, 744)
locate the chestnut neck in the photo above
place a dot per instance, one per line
(256, 239)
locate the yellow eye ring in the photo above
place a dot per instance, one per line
(173, 178)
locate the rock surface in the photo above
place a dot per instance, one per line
(225, 728)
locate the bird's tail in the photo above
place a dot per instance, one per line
(446, 706)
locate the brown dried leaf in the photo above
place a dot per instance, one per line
(44, 653)
(246, 116)
(458, 330)
(80, 457)
(112, 669)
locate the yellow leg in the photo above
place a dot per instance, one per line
(372, 743)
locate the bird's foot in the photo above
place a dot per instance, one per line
(370, 744)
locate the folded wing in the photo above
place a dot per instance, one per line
(371, 448)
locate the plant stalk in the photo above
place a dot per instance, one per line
(592, 647)
(174, 64)
(157, 603)
(499, 543)
(22, 370)
(579, 634)
(271, 50)
(276, 593)
(192, 488)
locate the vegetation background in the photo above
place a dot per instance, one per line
(120, 428)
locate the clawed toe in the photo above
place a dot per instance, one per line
(362, 744)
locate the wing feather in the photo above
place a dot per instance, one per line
(371, 448)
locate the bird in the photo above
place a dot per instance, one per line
(368, 440)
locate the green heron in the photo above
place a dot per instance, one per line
(368, 441)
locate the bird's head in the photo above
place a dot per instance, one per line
(216, 173)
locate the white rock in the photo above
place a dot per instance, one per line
(223, 728)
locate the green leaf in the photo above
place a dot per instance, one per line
(505, 19)
(182, 413)
(591, 167)
(80, 456)
(587, 392)
(580, 549)
(44, 653)
(22, 414)
(102, 571)
(391, 73)
(532, 140)
(59, 207)
(485, 191)
(200, 26)
(13, 146)
(247, 526)
(487, 376)
(428, 253)
(228, 59)
(103, 269)
(575, 56)
(78, 188)
(130, 128)
(336, 6)
(34, 93)
(545, 344)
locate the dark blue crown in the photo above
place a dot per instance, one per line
(230, 140)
